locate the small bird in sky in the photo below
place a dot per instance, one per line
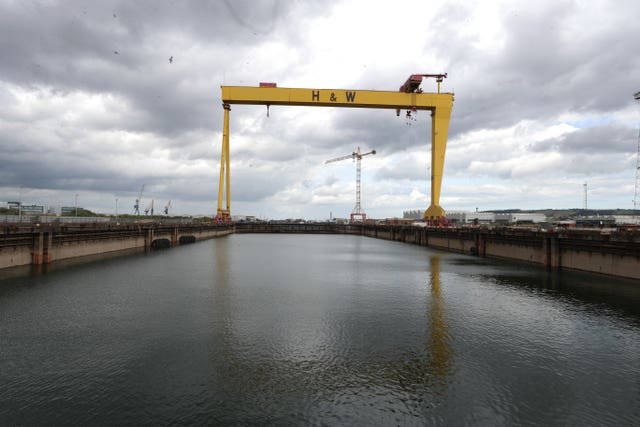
(116, 52)
(171, 60)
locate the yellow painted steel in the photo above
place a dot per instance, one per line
(440, 346)
(439, 133)
(224, 168)
(335, 98)
(440, 105)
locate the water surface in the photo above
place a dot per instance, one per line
(316, 329)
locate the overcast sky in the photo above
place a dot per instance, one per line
(90, 104)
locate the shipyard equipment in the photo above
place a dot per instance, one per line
(149, 209)
(357, 156)
(136, 207)
(166, 208)
(410, 97)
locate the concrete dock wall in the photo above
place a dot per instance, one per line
(62, 247)
(614, 254)
(16, 249)
(44, 244)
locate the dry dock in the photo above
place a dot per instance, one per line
(614, 253)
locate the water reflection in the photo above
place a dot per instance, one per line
(595, 292)
(440, 346)
(221, 266)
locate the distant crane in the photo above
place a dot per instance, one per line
(149, 208)
(585, 197)
(357, 156)
(136, 207)
(166, 208)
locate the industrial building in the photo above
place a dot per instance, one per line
(466, 217)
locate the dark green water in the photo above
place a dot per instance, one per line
(321, 330)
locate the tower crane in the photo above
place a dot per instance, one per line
(166, 208)
(357, 156)
(136, 207)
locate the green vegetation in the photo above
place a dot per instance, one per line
(81, 212)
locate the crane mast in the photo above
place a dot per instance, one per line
(357, 156)
(149, 208)
(136, 206)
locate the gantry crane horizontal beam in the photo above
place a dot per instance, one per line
(335, 98)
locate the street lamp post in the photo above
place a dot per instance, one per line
(20, 206)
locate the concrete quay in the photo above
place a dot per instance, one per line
(42, 244)
(613, 253)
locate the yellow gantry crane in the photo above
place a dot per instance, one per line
(410, 97)
(357, 156)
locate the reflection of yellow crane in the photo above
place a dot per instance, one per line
(440, 346)
(357, 156)
(410, 97)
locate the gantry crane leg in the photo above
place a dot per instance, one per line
(439, 132)
(225, 183)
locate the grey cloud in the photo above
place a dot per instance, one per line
(256, 182)
(610, 138)
(540, 71)
(332, 179)
(407, 169)
(383, 130)
(79, 46)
